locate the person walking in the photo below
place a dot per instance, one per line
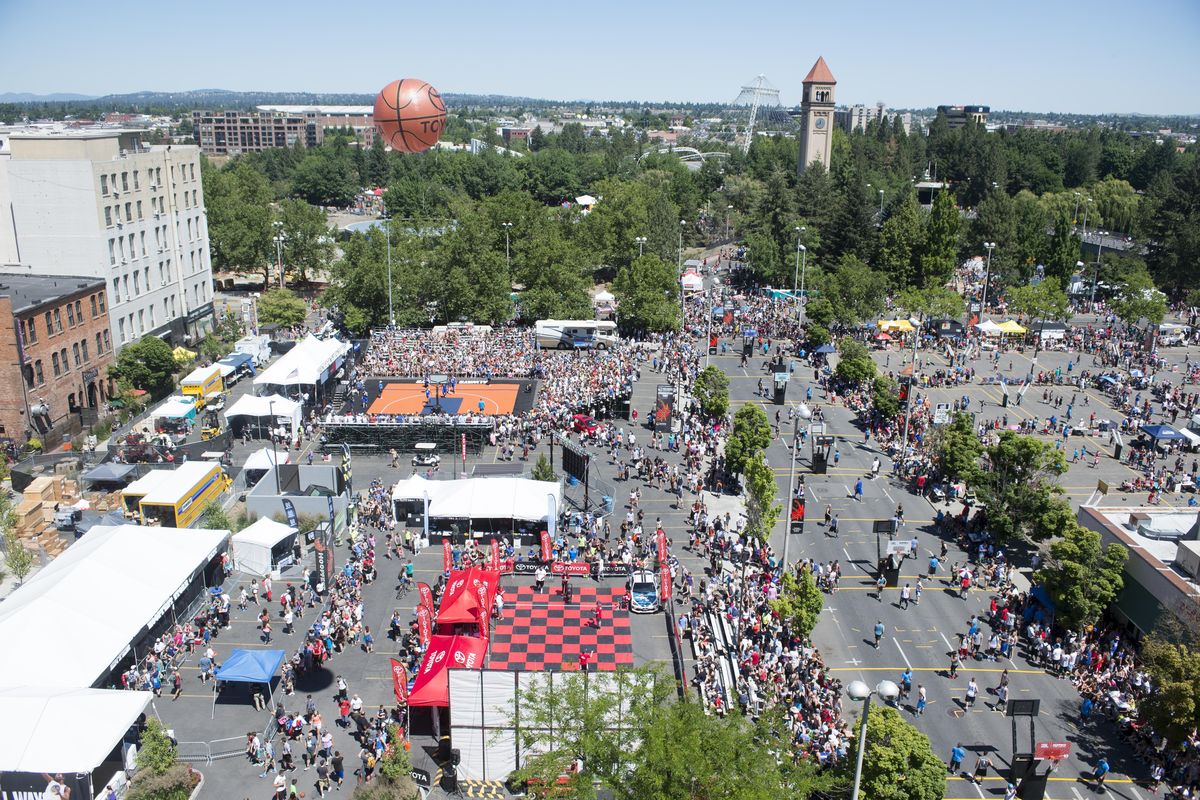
(917, 592)
(957, 754)
(879, 629)
(1102, 770)
(833, 526)
(176, 685)
(982, 765)
(954, 663)
(1085, 709)
(858, 490)
(905, 596)
(879, 584)
(972, 693)
(905, 683)
(922, 700)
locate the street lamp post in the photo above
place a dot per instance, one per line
(881, 205)
(1075, 213)
(682, 307)
(787, 522)
(796, 272)
(987, 278)
(728, 210)
(682, 225)
(803, 267)
(278, 225)
(912, 380)
(640, 241)
(859, 691)
(507, 257)
(1087, 201)
(1099, 252)
(387, 232)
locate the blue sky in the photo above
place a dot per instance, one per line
(1100, 56)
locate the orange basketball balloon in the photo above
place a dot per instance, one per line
(410, 115)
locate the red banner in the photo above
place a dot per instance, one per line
(571, 568)
(495, 565)
(447, 556)
(545, 546)
(662, 546)
(664, 579)
(424, 624)
(426, 594)
(400, 682)
(1052, 750)
(485, 611)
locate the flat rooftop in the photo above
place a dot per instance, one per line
(334, 110)
(1170, 527)
(29, 292)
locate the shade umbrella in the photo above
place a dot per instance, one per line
(883, 337)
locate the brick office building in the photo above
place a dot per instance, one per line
(55, 349)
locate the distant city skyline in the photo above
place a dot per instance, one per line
(1105, 57)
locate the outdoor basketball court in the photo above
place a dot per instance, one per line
(412, 398)
(540, 632)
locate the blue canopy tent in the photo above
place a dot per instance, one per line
(249, 666)
(1162, 433)
(826, 348)
(110, 473)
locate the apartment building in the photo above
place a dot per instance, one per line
(957, 116)
(233, 132)
(101, 204)
(857, 117)
(55, 349)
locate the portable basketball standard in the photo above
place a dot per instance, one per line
(410, 115)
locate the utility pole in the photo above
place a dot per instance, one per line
(987, 278)
(507, 257)
(796, 272)
(787, 523)
(387, 232)
(912, 383)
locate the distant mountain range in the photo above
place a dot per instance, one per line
(27, 97)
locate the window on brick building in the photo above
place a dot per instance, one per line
(63, 357)
(75, 352)
(70, 315)
(79, 311)
(93, 301)
(49, 324)
(83, 346)
(99, 345)
(31, 327)
(38, 374)
(54, 364)
(57, 321)
(107, 341)
(101, 296)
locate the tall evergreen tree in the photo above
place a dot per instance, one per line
(939, 254)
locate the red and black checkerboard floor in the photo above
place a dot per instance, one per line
(539, 632)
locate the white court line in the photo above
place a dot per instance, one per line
(1136, 793)
(852, 561)
(947, 641)
(887, 493)
(1075, 791)
(901, 649)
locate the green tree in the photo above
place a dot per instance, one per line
(855, 365)
(819, 312)
(238, 203)
(934, 302)
(856, 291)
(901, 242)
(885, 396)
(145, 364)
(647, 295)
(16, 557)
(156, 752)
(939, 254)
(327, 176)
(751, 434)
(1044, 301)
(1062, 252)
(957, 448)
(1172, 660)
(308, 241)
(899, 762)
(1137, 298)
(1082, 577)
(1020, 485)
(281, 307)
(1171, 220)
(800, 602)
(712, 391)
(542, 471)
(761, 492)
(473, 279)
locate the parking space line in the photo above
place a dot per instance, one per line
(902, 655)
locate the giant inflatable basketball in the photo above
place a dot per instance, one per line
(410, 115)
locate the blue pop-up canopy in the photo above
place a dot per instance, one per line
(250, 666)
(1162, 433)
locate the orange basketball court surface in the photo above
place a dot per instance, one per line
(409, 398)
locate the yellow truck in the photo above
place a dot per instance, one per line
(204, 384)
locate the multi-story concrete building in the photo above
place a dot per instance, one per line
(957, 116)
(55, 349)
(233, 132)
(101, 204)
(857, 117)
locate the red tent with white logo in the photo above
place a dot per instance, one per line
(432, 684)
(468, 593)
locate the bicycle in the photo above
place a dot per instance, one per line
(404, 587)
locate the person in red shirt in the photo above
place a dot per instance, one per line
(344, 711)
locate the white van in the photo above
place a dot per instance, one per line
(567, 334)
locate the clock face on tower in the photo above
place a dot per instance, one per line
(819, 123)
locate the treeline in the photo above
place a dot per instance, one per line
(470, 232)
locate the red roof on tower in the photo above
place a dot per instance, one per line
(819, 73)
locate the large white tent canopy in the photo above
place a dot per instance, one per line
(483, 498)
(265, 459)
(304, 364)
(64, 730)
(98, 596)
(252, 547)
(271, 405)
(989, 328)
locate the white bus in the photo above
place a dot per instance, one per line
(566, 334)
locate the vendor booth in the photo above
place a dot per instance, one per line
(252, 667)
(262, 415)
(988, 328)
(476, 506)
(467, 600)
(263, 547)
(110, 476)
(261, 462)
(431, 687)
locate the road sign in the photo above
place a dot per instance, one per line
(1055, 751)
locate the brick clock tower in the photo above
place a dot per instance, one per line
(816, 117)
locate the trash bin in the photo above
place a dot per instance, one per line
(608, 504)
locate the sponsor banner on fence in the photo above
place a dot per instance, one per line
(575, 568)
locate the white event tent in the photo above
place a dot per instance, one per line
(307, 364)
(989, 328)
(268, 406)
(99, 596)
(482, 498)
(252, 547)
(64, 730)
